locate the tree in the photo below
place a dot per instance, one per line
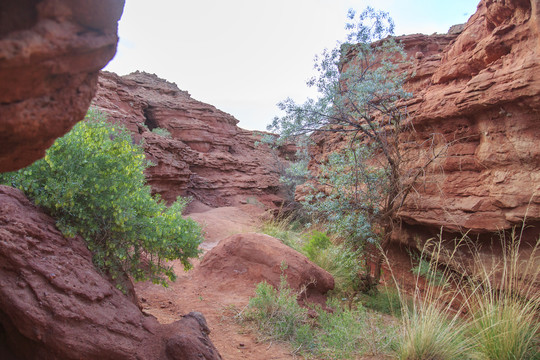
(360, 189)
(92, 182)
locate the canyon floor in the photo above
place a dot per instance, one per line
(219, 304)
(192, 292)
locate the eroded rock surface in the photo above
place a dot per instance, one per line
(484, 98)
(54, 304)
(50, 55)
(251, 258)
(207, 156)
(478, 90)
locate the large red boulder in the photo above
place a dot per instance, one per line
(251, 258)
(50, 55)
(54, 303)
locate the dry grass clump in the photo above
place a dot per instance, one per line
(493, 315)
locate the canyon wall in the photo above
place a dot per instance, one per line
(207, 156)
(476, 92)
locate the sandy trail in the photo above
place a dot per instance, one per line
(192, 292)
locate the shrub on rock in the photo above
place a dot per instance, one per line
(92, 181)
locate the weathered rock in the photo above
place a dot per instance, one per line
(478, 91)
(54, 304)
(50, 55)
(207, 156)
(252, 258)
(484, 99)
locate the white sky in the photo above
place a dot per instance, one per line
(244, 56)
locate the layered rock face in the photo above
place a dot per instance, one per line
(54, 304)
(482, 95)
(477, 98)
(207, 155)
(50, 55)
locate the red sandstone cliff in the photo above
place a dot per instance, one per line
(208, 156)
(480, 91)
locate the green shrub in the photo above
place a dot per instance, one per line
(386, 300)
(340, 334)
(277, 314)
(317, 241)
(162, 132)
(92, 181)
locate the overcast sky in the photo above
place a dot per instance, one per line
(244, 56)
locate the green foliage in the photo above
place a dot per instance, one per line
(342, 262)
(92, 181)
(340, 334)
(386, 300)
(361, 186)
(317, 241)
(426, 269)
(350, 201)
(162, 132)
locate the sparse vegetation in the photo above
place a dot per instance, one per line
(340, 334)
(501, 306)
(92, 181)
(505, 304)
(162, 132)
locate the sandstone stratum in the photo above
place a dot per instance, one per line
(477, 89)
(207, 156)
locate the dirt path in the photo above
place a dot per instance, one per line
(191, 292)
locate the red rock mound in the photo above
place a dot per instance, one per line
(251, 258)
(54, 304)
(207, 155)
(50, 55)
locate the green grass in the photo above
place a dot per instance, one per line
(340, 334)
(386, 300)
(505, 305)
(491, 315)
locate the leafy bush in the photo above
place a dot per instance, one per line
(92, 181)
(162, 132)
(317, 241)
(386, 300)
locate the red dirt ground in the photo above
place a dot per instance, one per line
(192, 292)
